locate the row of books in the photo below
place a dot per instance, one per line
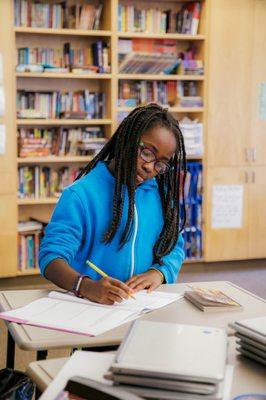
(193, 203)
(172, 93)
(158, 57)
(65, 59)
(49, 104)
(40, 181)
(137, 45)
(193, 136)
(141, 63)
(147, 63)
(61, 141)
(60, 15)
(29, 236)
(154, 20)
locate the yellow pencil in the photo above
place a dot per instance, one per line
(102, 273)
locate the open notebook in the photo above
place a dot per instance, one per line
(65, 312)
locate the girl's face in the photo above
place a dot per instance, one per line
(162, 143)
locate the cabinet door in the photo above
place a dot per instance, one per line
(8, 235)
(229, 75)
(257, 213)
(258, 86)
(225, 243)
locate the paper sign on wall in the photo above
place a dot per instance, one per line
(227, 206)
(2, 101)
(1, 69)
(2, 139)
(263, 101)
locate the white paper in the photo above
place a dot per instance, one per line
(2, 139)
(143, 301)
(2, 101)
(227, 206)
(67, 313)
(262, 101)
(1, 70)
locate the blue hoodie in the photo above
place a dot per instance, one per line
(83, 215)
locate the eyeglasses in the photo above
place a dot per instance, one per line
(148, 156)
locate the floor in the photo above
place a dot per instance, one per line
(250, 275)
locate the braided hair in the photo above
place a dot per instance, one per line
(123, 149)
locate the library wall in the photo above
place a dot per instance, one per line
(70, 79)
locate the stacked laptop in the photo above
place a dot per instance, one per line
(251, 338)
(171, 361)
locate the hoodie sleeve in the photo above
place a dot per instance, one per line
(64, 233)
(172, 262)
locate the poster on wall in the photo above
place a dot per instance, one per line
(2, 93)
(2, 139)
(227, 206)
(2, 101)
(263, 101)
(1, 70)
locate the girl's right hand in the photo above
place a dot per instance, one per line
(105, 291)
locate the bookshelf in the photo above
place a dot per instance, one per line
(41, 207)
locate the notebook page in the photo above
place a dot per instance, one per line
(144, 301)
(69, 316)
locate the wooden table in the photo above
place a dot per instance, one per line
(41, 340)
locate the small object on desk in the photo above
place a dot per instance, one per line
(211, 300)
(102, 273)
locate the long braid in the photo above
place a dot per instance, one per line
(123, 149)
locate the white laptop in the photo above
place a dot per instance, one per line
(163, 384)
(173, 351)
(254, 328)
(252, 342)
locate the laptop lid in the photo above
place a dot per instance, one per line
(173, 351)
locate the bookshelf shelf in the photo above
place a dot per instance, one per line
(145, 35)
(171, 109)
(160, 77)
(195, 158)
(69, 32)
(53, 159)
(68, 75)
(30, 202)
(60, 122)
(32, 271)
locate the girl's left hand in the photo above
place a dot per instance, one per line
(148, 280)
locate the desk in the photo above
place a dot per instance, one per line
(249, 376)
(41, 340)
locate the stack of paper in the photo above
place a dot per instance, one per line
(252, 338)
(171, 361)
(65, 312)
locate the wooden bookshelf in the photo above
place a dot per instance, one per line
(171, 109)
(53, 159)
(144, 35)
(63, 32)
(30, 271)
(63, 122)
(69, 75)
(23, 37)
(160, 77)
(40, 200)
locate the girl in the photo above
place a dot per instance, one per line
(122, 213)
